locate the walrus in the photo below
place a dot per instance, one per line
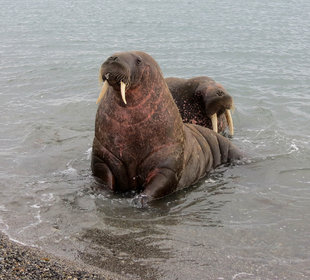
(203, 101)
(141, 143)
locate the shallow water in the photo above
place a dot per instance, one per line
(248, 221)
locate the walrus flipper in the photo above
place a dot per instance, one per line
(108, 168)
(162, 182)
(102, 171)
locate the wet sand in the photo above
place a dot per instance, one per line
(22, 262)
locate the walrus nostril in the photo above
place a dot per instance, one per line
(113, 58)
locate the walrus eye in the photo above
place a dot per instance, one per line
(139, 61)
(220, 93)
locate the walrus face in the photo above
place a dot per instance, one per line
(122, 71)
(217, 101)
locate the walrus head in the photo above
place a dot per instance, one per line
(122, 71)
(217, 101)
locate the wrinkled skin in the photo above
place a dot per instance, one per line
(199, 98)
(143, 145)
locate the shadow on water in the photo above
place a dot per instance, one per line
(125, 254)
(132, 241)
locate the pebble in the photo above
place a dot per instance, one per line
(21, 262)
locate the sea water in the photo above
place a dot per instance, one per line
(248, 221)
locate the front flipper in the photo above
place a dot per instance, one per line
(102, 171)
(109, 168)
(159, 183)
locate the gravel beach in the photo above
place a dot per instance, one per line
(22, 262)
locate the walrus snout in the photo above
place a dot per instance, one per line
(219, 104)
(115, 73)
(123, 72)
(113, 58)
(115, 79)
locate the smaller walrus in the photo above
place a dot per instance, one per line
(140, 141)
(202, 101)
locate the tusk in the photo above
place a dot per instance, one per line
(100, 78)
(103, 91)
(214, 122)
(123, 89)
(229, 121)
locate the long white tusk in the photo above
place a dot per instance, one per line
(123, 90)
(229, 121)
(214, 122)
(103, 91)
(100, 78)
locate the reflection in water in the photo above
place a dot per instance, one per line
(130, 253)
(136, 242)
(191, 203)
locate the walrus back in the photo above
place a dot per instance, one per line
(204, 150)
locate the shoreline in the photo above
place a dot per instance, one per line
(19, 261)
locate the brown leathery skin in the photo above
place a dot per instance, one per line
(200, 97)
(144, 145)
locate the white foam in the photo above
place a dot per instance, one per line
(17, 241)
(293, 148)
(210, 181)
(2, 223)
(47, 197)
(69, 171)
(35, 206)
(38, 221)
(88, 153)
(41, 182)
(240, 274)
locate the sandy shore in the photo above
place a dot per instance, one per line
(22, 262)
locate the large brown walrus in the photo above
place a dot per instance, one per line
(140, 140)
(203, 101)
